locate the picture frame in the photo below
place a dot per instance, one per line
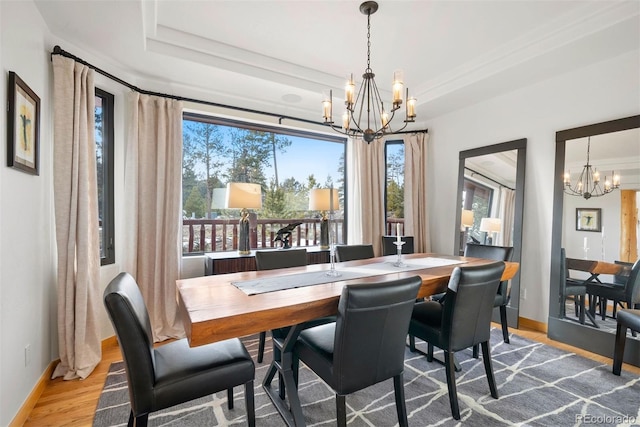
(589, 219)
(23, 126)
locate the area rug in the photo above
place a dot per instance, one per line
(538, 385)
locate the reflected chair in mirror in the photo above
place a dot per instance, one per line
(173, 373)
(353, 252)
(365, 345)
(626, 319)
(619, 279)
(270, 260)
(390, 248)
(461, 321)
(574, 289)
(629, 294)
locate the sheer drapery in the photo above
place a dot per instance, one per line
(153, 176)
(76, 213)
(365, 187)
(507, 213)
(416, 215)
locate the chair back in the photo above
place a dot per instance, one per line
(623, 276)
(353, 252)
(468, 306)
(389, 248)
(283, 258)
(371, 329)
(632, 288)
(498, 253)
(126, 309)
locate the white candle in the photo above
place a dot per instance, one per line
(585, 243)
(603, 231)
(398, 231)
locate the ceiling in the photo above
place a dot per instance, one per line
(279, 56)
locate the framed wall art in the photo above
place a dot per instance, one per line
(589, 219)
(23, 126)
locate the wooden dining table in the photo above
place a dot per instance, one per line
(213, 308)
(595, 268)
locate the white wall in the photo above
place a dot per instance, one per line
(605, 91)
(27, 264)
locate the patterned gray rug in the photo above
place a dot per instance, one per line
(538, 385)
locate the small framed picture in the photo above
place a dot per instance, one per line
(589, 219)
(23, 126)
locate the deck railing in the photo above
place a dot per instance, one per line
(220, 235)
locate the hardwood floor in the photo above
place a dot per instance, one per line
(72, 403)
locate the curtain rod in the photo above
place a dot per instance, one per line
(490, 179)
(57, 50)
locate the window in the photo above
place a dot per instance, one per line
(477, 198)
(285, 162)
(394, 191)
(104, 164)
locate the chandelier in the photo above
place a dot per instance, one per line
(588, 184)
(366, 112)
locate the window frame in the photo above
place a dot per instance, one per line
(108, 155)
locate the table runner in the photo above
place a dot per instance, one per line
(299, 280)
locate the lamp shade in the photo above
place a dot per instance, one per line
(320, 199)
(490, 225)
(467, 218)
(243, 195)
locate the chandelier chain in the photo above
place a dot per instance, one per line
(369, 42)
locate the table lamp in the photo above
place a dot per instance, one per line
(320, 199)
(243, 195)
(491, 225)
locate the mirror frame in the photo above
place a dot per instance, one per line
(564, 330)
(520, 145)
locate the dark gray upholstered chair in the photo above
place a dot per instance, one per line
(572, 288)
(626, 319)
(462, 321)
(173, 373)
(366, 343)
(498, 253)
(389, 248)
(353, 252)
(270, 260)
(628, 294)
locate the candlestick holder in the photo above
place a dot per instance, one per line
(332, 250)
(399, 263)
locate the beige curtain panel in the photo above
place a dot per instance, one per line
(507, 213)
(76, 212)
(153, 179)
(415, 190)
(366, 190)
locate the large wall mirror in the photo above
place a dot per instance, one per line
(599, 227)
(490, 205)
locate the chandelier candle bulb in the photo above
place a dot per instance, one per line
(349, 91)
(411, 107)
(326, 106)
(398, 87)
(346, 118)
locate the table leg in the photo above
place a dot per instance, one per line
(282, 364)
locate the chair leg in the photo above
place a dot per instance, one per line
(582, 308)
(401, 408)
(139, 421)
(412, 343)
(505, 323)
(488, 368)
(451, 384)
(261, 341)
(618, 351)
(429, 352)
(250, 403)
(341, 410)
(475, 351)
(230, 398)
